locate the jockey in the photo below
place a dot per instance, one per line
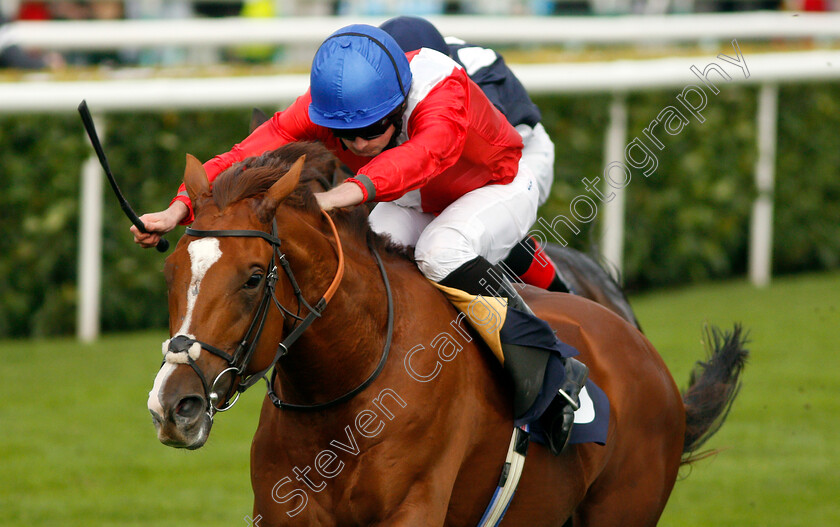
(487, 68)
(444, 166)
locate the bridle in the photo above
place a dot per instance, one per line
(239, 360)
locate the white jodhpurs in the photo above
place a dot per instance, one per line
(486, 222)
(538, 155)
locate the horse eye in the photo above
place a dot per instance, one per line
(253, 281)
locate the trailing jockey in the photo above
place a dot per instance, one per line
(488, 70)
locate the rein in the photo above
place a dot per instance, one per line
(372, 377)
(238, 362)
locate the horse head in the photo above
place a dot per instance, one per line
(222, 280)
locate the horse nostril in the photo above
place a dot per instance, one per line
(189, 407)
(156, 419)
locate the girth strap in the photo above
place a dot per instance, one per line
(509, 480)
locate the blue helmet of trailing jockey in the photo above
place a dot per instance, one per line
(359, 76)
(414, 32)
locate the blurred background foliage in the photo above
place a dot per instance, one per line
(687, 222)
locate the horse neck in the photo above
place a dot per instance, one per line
(340, 349)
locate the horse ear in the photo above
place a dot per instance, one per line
(280, 190)
(258, 117)
(195, 179)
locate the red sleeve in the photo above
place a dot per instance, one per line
(437, 130)
(292, 124)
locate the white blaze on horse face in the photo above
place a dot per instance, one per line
(203, 254)
(154, 403)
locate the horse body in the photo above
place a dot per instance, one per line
(440, 467)
(424, 444)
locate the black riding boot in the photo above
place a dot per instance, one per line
(527, 364)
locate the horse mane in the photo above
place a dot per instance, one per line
(255, 175)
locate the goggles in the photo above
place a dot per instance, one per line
(367, 133)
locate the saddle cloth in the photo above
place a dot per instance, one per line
(487, 315)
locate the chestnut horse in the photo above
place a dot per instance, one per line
(409, 415)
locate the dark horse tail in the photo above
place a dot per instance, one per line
(712, 388)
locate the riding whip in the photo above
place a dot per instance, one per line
(87, 120)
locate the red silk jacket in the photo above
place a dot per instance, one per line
(452, 141)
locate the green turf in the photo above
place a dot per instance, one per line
(77, 447)
(779, 464)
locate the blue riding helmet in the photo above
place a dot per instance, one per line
(413, 32)
(359, 76)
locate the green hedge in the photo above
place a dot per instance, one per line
(41, 166)
(688, 221)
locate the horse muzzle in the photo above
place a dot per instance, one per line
(184, 424)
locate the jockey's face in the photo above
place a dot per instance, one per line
(370, 147)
